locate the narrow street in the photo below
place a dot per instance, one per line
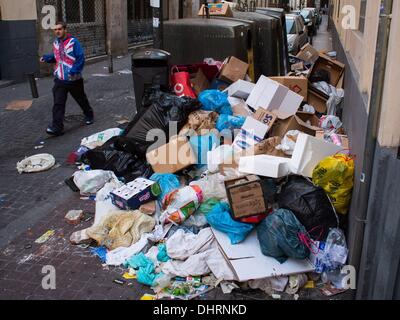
(32, 204)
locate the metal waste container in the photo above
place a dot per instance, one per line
(279, 15)
(149, 67)
(191, 40)
(267, 54)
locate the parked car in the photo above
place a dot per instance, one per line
(296, 33)
(310, 19)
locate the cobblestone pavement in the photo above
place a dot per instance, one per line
(31, 204)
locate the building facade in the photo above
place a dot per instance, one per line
(102, 26)
(366, 35)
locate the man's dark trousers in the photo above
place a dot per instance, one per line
(60, 93)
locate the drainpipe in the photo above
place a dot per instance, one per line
(371, 138)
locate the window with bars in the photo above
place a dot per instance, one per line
(361, 21)
(139, 9)
(82, 11)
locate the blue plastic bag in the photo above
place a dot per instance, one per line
(168, 182)
(101, 252)
(215, 100)
(220, 218)
(146, 271)
(226, 121)
(162, 255)
(202, 144)
(279, 237)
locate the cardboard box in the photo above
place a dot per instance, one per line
(273, 96)
(345, 140)
(335, 68)
(240, 89)
(302, 121)
(296, 84)
(245, 196)
(318, 100)
(200, 82)
(309, 152)
(132, 195)
(217, 9)
(252, 132)
(264, 165)
(265, 117)
(308, 53)
(233, 70)
(248, 263)
(172, 157)
(299, 66)
(239, 107)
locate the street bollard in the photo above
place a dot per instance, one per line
(110, 64)
(33, 85)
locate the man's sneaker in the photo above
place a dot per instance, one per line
(89, 121)
(53, 132)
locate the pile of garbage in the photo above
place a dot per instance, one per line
(222, 181)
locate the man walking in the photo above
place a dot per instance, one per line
(69, 60)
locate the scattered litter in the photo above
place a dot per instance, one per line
(44, 237)
(228, 287)
(276, 296)
(28, 246)
(119, 281)
(80, 237)
(125, 71)
(36, 163)
(74, 217)
(100, 74)
(148, 297)
(129, 276)
(19, 105)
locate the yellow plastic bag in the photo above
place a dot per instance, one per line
(335, 175)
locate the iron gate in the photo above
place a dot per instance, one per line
(140, 26)
(86, 20)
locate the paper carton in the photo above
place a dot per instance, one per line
(217, 9)
(309, 152)
(240, 89)
(266, 166)
(273, 96)
(245, 196)
(252, 132)
(302, 121)
(199, 82)
(343, 138)
(233, 70)
(334, 68)
(239, 107)
(308, 53)
(132, 195)
(296, 84)
(248, 263)
(172, 157)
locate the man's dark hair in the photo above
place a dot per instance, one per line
(62, 23)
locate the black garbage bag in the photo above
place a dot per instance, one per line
(113, 157)
(310, 204)
(279, 236)
(159, 109)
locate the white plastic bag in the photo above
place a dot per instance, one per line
(98, 139)
(90, 182)
(212, 186)
(289, 142)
